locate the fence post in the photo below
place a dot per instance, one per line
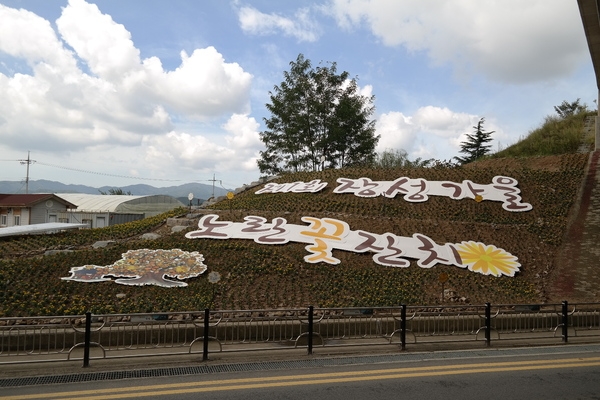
(87, 339)
(488, 324)
(403, 327)
(205, 340)
(565, 321)
(310, 329)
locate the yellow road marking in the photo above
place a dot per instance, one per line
(313, 379)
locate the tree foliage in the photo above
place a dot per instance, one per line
(318, 119)
(476, 144)
(394, 158)
(566, 109)
(115, 192)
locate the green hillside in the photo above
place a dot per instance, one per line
(546, 164)
(255, 276)
(555, 136)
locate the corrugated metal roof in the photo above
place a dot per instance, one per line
(96, 202)
(38, 228)
(148, 205)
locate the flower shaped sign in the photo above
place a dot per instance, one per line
(487, 259)
(145, 267)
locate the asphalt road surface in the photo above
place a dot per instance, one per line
(540, 373)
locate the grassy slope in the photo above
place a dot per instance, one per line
(259, 276)
(555, 136)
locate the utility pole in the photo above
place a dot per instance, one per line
(213, 180)
(28, 162)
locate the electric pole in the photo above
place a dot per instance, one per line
(213, 180)
(28, 162)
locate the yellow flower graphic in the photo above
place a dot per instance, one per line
(487, 259)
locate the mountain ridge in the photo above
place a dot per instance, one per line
(199, 190)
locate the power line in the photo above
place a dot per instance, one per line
(106, 174)
(29, 161)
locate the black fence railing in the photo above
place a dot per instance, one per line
(90, 336)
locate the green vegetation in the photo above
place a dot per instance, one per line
(476, 145)
(557, 135)
(567, 109)
(318, 119)
(390, 158)
(257, 276)
(116, 192)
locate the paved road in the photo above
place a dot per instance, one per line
(568, 373)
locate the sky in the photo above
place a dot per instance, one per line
(163, 93)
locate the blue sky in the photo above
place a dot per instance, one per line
(163, 93)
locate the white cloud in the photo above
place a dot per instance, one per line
(236, 151)
(442, 122)
(301, 26)
(27, 36)
(244, 131)
(366, 91)
(188, 151)
(104, 46)
(510, 41)
(396, 131)
(114, 98)
(245, 140)
(205, 85)
(432, 132)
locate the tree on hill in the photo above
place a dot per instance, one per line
(476, 144)
(318, 119)
(115, 192)
(394, 158)
(566, 109)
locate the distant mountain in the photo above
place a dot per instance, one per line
(199, 190)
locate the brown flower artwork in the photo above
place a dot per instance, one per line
(145, 267)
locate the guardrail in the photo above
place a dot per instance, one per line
(86, 337)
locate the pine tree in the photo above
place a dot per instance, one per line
(476, 144)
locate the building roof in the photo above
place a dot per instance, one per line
(148, 205)
(589, 10)
(38, 228)
(97, 202)
(29, 200)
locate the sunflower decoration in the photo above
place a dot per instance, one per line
(487, 259)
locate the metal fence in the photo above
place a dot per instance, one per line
(85, 337)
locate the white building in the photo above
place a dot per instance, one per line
(98, 211)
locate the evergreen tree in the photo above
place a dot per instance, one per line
(318, 119)
(566, 109)
(476, 144)
(115, 192)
